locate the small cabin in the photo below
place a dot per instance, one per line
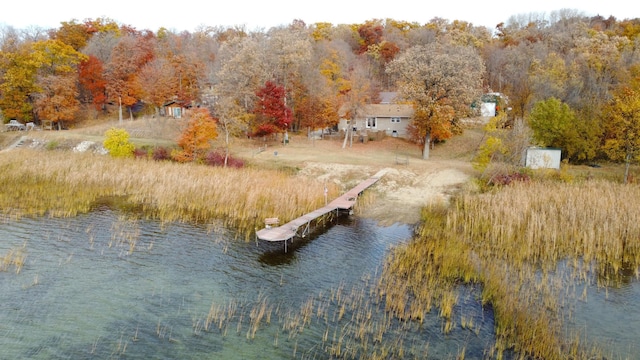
(173, 109)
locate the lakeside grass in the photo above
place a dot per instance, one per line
(61, 183)
(512, 241)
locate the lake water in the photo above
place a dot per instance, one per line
(102, 285)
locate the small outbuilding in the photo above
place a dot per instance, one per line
(172, 109)
(543, 158)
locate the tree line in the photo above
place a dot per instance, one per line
(573, 79)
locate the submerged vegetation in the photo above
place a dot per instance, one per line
(66, 184)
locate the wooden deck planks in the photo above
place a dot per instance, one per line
(344, 202)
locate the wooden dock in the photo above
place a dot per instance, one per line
(301, 226)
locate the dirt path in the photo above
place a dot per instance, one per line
(404, 189)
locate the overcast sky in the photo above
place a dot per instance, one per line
(262, 14)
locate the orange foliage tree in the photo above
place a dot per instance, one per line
(58, 65)
(131, 53)
(195, 140)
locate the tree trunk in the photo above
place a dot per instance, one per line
(120, 111)
(427, 145)
(226, 151)
(346, 136)
(627, 163)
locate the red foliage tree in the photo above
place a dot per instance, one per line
(93, 84)
(388, 51)
(370, 34)
(272, 113)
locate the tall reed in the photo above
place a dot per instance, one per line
(66, 184)
(511, 241)
(15, 258)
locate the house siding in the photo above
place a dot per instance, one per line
(383, 113)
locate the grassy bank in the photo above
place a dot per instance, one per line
(61, 183)
(512, 241)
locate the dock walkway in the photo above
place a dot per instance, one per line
(300, 226)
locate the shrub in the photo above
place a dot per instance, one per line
(117, 143)
(52, 145)
(506, 179)
(161, 153)
(140, 153)
(216, 158)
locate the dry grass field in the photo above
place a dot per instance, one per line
(409, 184)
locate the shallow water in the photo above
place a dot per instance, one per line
(102, 285)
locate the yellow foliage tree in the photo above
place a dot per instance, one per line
(622, 127)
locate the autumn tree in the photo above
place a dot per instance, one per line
(555, 124)
(195, 140)
(92, 83)
(232, 120)
(117, 143)
(290, 52)
(18, 82)
(441, 81)
(357, 92)
(37, 73)
(370, 34)
(72, 33)
(272, 114)
(240, 70)
(621, 119)
(158, 83)
(316, 107)
(493, 148)
(57, 99)
(131, 53)
(101, 45)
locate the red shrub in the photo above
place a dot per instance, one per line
(216, 158)
(506, 179)
(161, 153)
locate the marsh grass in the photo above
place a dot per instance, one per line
(67, 184)
(512, 241)
(13, 259)
(351, 322)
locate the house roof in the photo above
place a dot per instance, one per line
(381, 110)
(388, 110)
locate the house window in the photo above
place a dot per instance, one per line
(395, 119)
(371, 123)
